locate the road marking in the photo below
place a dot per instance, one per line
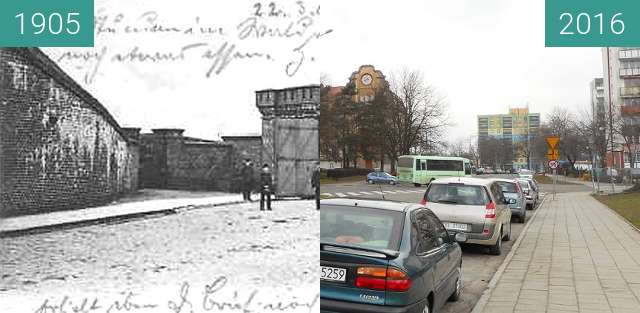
(389, 191)
(366, 193)
(353, 193)
(327, 194)
(404, 191)
(377, 192)
(340, 194)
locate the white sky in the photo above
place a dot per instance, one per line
(483, 56)
(178, 94)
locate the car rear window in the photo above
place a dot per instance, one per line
(457, 194)
(524, 184)
(508, 187)
(361, 227)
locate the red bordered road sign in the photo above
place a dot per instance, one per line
(553, 164)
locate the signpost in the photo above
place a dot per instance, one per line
(553, 155)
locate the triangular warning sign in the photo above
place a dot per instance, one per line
(552, 141)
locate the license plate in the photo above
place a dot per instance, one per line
(333, 273)
(456, 226)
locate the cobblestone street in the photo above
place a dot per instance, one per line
(234, 251)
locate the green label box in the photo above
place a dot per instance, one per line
(592, 23)
(46, 23)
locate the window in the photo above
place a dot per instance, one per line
(417, 165)
(497, 193)
(456, 194)
(424, 165)
(405, 162)
(444, 165)
(441, 232)
(467, 169)
(361, 226)
(424, 232)
(508, 187)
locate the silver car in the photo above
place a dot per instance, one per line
(518, 204)
(530, 190)
(474, 206)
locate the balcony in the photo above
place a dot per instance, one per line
(630, 109)
(629, 92)
(629, 54)
(629, 72)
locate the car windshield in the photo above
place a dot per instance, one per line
(386, 174)
(508, 187)
(361, 227)
(456, 194)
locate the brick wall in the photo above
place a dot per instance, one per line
(245, 147)
(59, 147)
(170, 160)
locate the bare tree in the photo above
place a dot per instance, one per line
(573, 145)
(417, 115)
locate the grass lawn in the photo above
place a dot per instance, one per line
(548, 179)
(626, 204)
(327, 180)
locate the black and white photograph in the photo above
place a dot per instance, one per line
(173, 167)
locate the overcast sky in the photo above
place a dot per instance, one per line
(483, 56)
(179, 93)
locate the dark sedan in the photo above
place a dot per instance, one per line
(381, 256)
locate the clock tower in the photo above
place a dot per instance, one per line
(367, 80)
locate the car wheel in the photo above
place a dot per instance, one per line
(523, 217)
(392, 182)
(370, 182)
(455, 296)
(416, 185)
(508, 236)
(528, 206)
(496, 249)
(426, 308)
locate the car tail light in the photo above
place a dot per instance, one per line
(379, 278)
(491, 210)
(423, 201)
(518, 187)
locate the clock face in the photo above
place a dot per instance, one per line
(366, 79)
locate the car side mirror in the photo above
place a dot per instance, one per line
(461, 237)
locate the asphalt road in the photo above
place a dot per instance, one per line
(478, 266)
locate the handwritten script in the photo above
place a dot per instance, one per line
(268, 32)
(212, 297)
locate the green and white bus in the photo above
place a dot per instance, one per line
(422, 169)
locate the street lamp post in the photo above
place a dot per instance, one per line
(613, 161)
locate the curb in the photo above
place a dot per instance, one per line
(482, 302)
(617, 214)
(108, 219)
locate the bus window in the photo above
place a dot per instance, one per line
(424, 165)
(417, 165)
(445, 165)
(467, 169)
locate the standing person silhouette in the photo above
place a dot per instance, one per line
(315, 183)
(247, 179)
(265, 187)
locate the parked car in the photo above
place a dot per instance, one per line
(479, 170)
(381, 177)
(524, 173)
(488, 170)
(383, 256)
(530, 192)
(511, 190)
(473, 206)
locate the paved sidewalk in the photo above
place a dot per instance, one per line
(124, 209)
(576, 256)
